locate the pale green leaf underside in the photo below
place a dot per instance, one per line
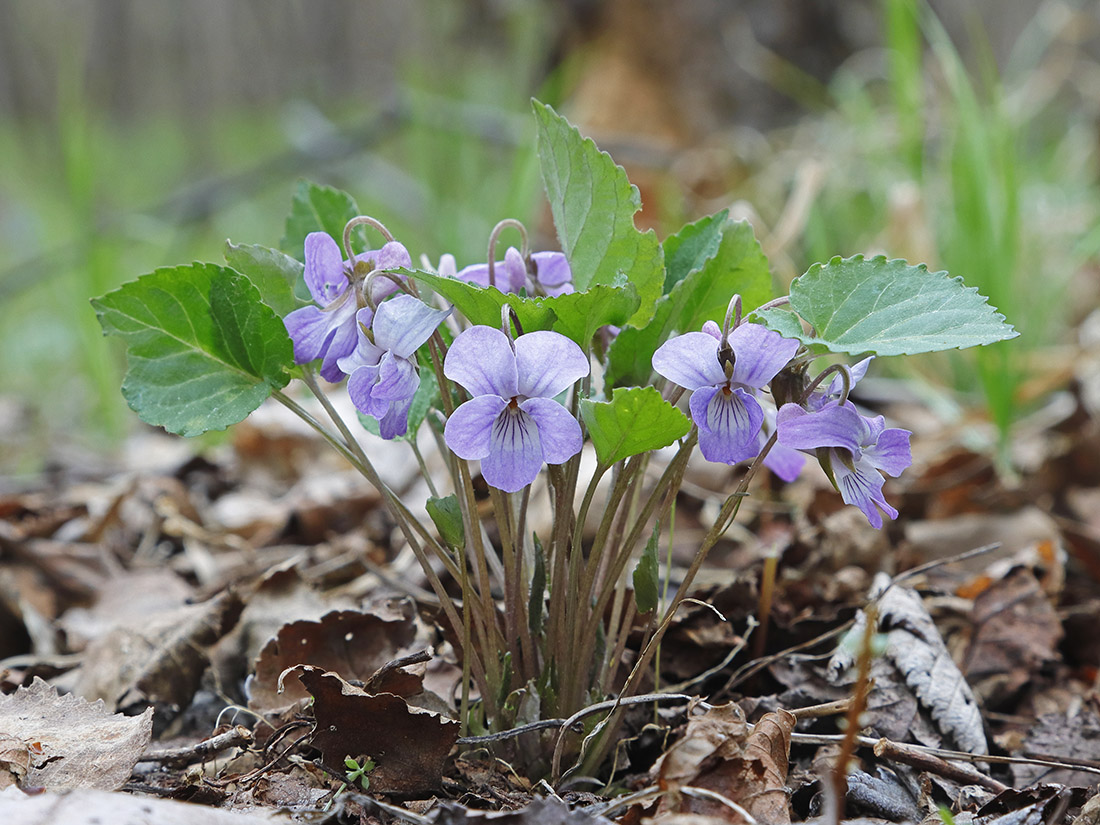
(593, 205)
(859, 305)
(203, 350)
(634, 421)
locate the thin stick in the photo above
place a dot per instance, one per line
(236, 737)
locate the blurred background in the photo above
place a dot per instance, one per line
(135, 135)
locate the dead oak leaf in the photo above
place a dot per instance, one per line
(718, 753)
(348, 642)
(69, 742)
(409, 746)
(89, 807)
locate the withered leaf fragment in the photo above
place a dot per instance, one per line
(408, 745)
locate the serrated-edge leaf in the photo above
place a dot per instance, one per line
(318, 208)
(203, 350)
(888, 307)
(635, 420)
(691, 247)
(481, 305)
(593, 205)
(274, 273)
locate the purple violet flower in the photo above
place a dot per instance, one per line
(382, 376)
(852, 449)
(512, 423)
(328, 331)
(724, 384)
(551, 273)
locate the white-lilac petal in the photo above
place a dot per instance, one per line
(515, 451)
(831, 426)
(395, 421)
(324, 268)
(759, 354)
(729, 424)
(482, 361)
(397, 378)
(365, 352)
(559, 432)
(861, 486)
(690, 360)
(786, 463)
(553, 273)
(891, 452)
(548, 363)
(468, 430)
(403, 323)
(712, 329)
(361, 383)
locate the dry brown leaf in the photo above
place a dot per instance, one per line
(1016, 632)
(94, 807)
(541, 811)
(1058, 735)
(408, 745)
(348, 642)
(159, 662)
(718, 754)
(69, 742)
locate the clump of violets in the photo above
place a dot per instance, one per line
(512, 424)
(381, 370)
(328, 330)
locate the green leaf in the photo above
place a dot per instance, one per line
(203, 349)
(317, 208)
(702, 292)
(426, 396)
(276, 275)
(481, 305)
(634, 421)
(890, 308)
(691, 247)
(593, 205)
(447, 517)
(647, 576)
(580, 314)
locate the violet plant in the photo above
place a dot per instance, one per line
(513, 366)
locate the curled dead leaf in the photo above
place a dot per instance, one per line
(408, 745)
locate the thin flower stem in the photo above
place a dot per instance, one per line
(503, 513)
(423, 468)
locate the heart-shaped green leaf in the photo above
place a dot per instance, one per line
(203, 349)
(859, 305)
(276, 275)
(635, 420)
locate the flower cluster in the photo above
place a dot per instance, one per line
(749, 396)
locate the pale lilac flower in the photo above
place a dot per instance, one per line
(551, 274)
(785, 462)
(852, 449)
(512, 424)
(382, 376)
(820, 397)
(328, 331)
(724, 381)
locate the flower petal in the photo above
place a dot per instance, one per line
(365, 354)
(559, 432)
(831, 426)
(728, 424)
(310, 331)
(482, 361)
(403, 323)
(512, 272)
(390, 257)
(515, 452)
(690, 360)
(397, 378)
(361, 383)
(346, 334)
(474, 274)
(547, 363)
(858, 370)
(396, 420)
(862, 486)
(891, 453)
(759, 354)
(324, 272)
(469, 429)
(552, 272)
(786, 463)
